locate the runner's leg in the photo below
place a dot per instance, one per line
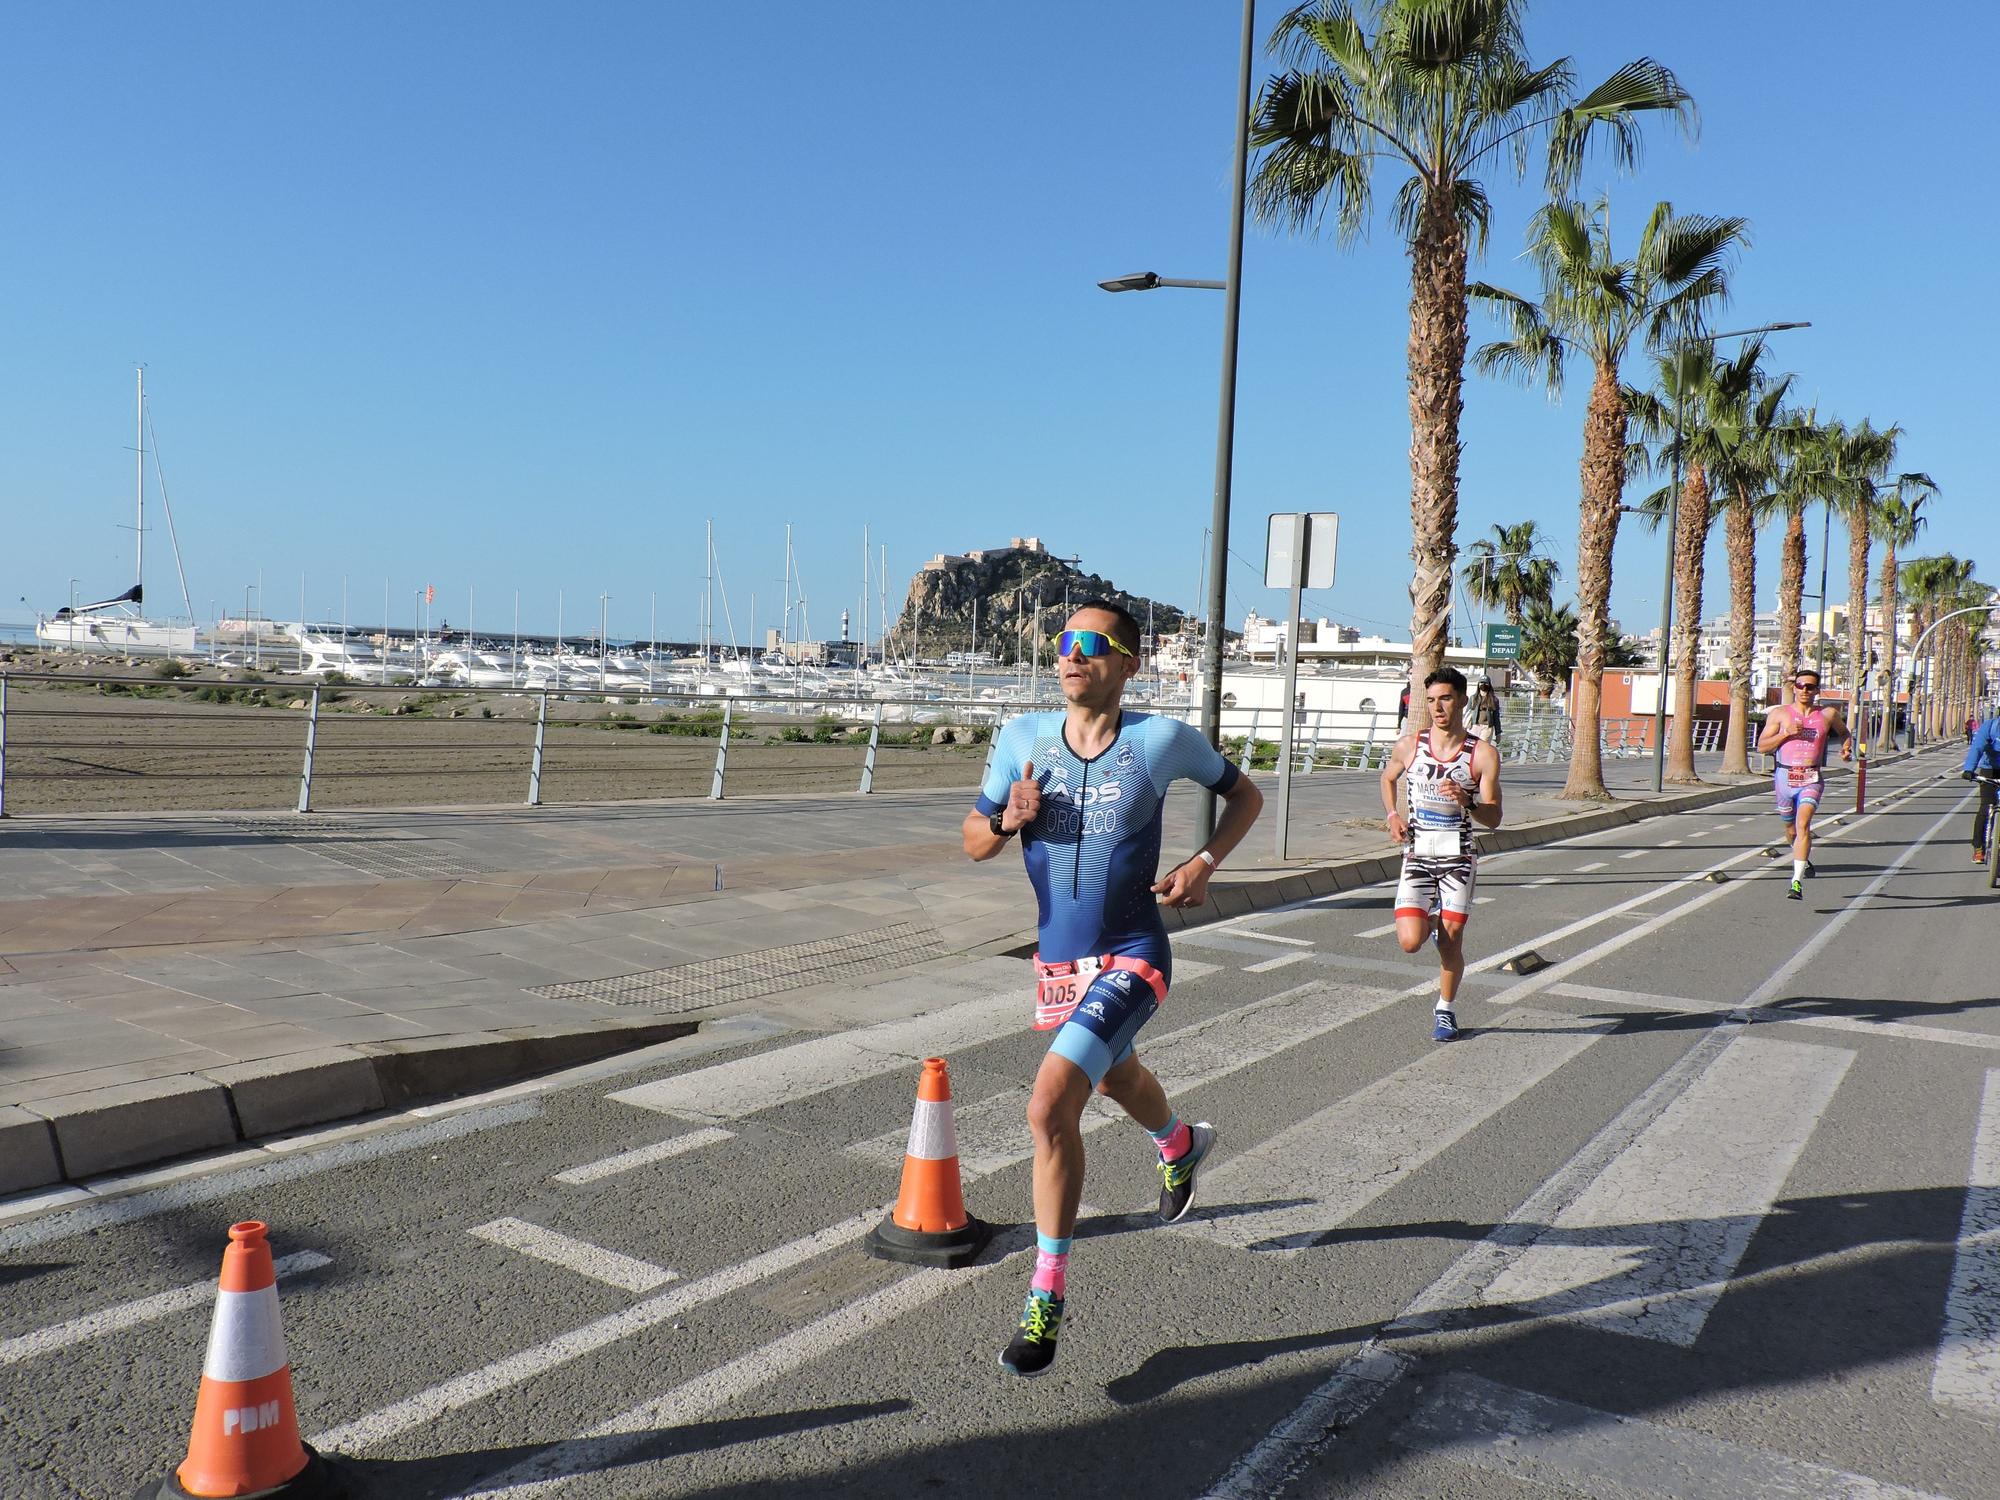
(1055, 1117)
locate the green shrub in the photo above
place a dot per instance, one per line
(170, 669)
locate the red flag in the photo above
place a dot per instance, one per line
(430, 594)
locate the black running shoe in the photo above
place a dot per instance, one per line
(1177, 1177)
(1033, 1347)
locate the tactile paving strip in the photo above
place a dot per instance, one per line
(719, 981)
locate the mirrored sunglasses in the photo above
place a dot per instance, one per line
(1088, 643)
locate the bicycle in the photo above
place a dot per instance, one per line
(1992, 828)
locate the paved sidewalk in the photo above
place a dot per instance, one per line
(173, 984)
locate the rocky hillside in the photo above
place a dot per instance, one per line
(1005, 581)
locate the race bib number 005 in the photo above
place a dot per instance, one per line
(1059, 987)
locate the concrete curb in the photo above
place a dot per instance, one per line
(73, 1136)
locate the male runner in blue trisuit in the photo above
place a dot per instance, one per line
(1084, 789)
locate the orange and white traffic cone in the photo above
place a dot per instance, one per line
(246, 1431)
(929, 1225)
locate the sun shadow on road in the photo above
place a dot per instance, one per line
(449, 1473)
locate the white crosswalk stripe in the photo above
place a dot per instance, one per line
(1326, 1169)
(1648, 1248)
(1967, 1370)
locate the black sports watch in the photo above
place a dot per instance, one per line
(993, 822)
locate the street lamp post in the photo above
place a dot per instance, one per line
(1225, 424)
(1673, 515)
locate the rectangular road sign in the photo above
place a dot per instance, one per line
(1503, 643)
(1322, 535)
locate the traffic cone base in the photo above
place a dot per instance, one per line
(245, 1440)
(948, 1248)
(318, 1480)
(929, 1225)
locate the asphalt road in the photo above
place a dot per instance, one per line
(1710, 1206)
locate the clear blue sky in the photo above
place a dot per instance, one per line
(507, 296)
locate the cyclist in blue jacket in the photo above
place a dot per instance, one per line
(1983, 754)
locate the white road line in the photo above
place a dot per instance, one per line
(645, 1156)
(1272, 937)
(1545, 880)
(1853, 1025)
(1634, 853)
(1807, 951)
(1540, 1440)
(1671, 843)
(1350, 1153)
(1186, 969)
(604, 1445)
(1276, 963)
(131, 1314)
(626, 1272)
(1374, 932)
(476, 1385)
(1366, 1376)
(1967, 1372)
(107, 1212)
(1482, 900)
(1648, 1248)
(734, 1090)
(1596, 865)
(992, 1133)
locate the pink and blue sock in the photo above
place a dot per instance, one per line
(1051, 1267)
(1173, 1138)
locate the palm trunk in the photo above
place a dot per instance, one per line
(1437, 379)
(1597, 529)
(1886, 740)
(1690, 544)
(1791, 589)
(1740, 526)
(1857, 608)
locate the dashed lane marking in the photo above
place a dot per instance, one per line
(1272, 937)
(644, 1156)
(1276, 963)
(626, 1272)
(1594, 865)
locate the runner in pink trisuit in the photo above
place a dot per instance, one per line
(1798, 734)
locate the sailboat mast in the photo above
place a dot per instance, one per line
(785, 625)
(139, 531)
(708, 598)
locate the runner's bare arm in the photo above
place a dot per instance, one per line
(1777, 729)
(1187, 884)
(1024, 804)
(1486, 766)
(1392, 769)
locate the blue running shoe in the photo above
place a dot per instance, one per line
(1033, 1347)
(1177, 1177)
(1444, 1025)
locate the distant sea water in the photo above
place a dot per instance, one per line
(17, 634)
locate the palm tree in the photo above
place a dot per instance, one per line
(1504, 573)
(1548, 643)
(1600, 306)
(1800, 481)
(1901, 513)
(1862, 455)
(1444, 89)
(1755, 458)
(1694, 413)
(1927, 580)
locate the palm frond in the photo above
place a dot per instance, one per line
(1610, 112)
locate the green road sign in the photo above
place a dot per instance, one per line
(1503, 643)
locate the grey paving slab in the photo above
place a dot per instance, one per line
(103, 1129)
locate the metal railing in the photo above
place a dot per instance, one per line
(278, 743)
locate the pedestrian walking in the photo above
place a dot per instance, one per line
(1083, 787)
(1484, 717)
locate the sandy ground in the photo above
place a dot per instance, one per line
(74, 750)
